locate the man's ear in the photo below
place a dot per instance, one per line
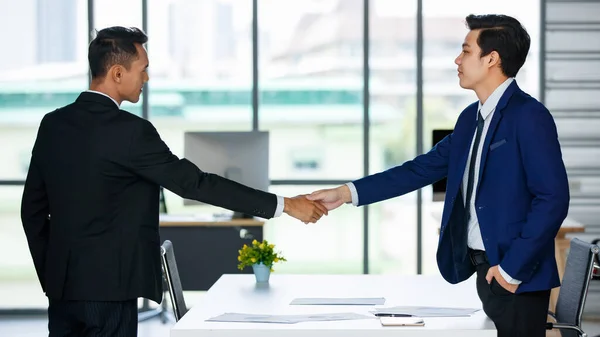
(116, 73)
(493, 59)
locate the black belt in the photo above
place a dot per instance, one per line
(478, 257)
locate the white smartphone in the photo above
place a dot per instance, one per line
(401, 321)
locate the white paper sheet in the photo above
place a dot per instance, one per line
(339, 301)
(427, 311)
(286, 319)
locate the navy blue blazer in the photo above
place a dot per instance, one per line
(521, 199)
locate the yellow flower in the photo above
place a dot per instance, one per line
(258, 251)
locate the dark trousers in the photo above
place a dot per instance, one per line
(92, 319)
(515, 315)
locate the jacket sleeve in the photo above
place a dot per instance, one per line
(35, 209)
(150, 158)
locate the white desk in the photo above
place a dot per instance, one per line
(240, 293)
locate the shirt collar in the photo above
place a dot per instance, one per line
(103, 94)
(492, 101)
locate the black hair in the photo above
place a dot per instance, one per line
(114, 45)
(506, 36)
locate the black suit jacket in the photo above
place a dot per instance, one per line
(90, 205)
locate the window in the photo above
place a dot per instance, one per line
(310, 81)
(200, 72)
(315, 102)
(331, 246)
(393, 223)
(19, 285)
(306, 159)
(47, 70)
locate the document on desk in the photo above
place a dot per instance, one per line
(427, 311)
(338, 301)
(286, 319)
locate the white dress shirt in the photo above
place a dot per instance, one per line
(474, 239)
(280, 199)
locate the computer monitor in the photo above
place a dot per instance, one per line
(239, 156)
(439, 187)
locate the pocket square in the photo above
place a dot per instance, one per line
(497, 144)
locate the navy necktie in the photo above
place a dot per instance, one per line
(471, 178)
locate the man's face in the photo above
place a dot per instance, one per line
(134, 78)
(472, 69)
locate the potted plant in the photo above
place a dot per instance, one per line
(261, 256)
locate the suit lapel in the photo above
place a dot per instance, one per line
(498, 113)
(463, 144)
(464, 156)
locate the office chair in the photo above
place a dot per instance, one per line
(574, 288)
(596, 274)
(173, 281)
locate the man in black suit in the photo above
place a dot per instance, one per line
(90, 206)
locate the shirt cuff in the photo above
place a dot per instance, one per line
(280, 206)
(353, 193)
(507, 277)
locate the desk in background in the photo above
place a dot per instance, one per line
(241, 294)
(205, 249)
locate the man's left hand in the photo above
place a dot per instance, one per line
(493, 272)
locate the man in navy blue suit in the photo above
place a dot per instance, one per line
(507, 189)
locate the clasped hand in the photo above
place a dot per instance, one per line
(304, 209)
(310, 208)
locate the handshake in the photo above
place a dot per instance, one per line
(311, 207)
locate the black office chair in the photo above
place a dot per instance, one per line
(596, 274)
(574, 288)
(173, 281)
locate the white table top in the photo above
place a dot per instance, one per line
(241, 294)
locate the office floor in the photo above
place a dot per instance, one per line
(37, 327)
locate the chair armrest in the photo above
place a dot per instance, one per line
(562, 326)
